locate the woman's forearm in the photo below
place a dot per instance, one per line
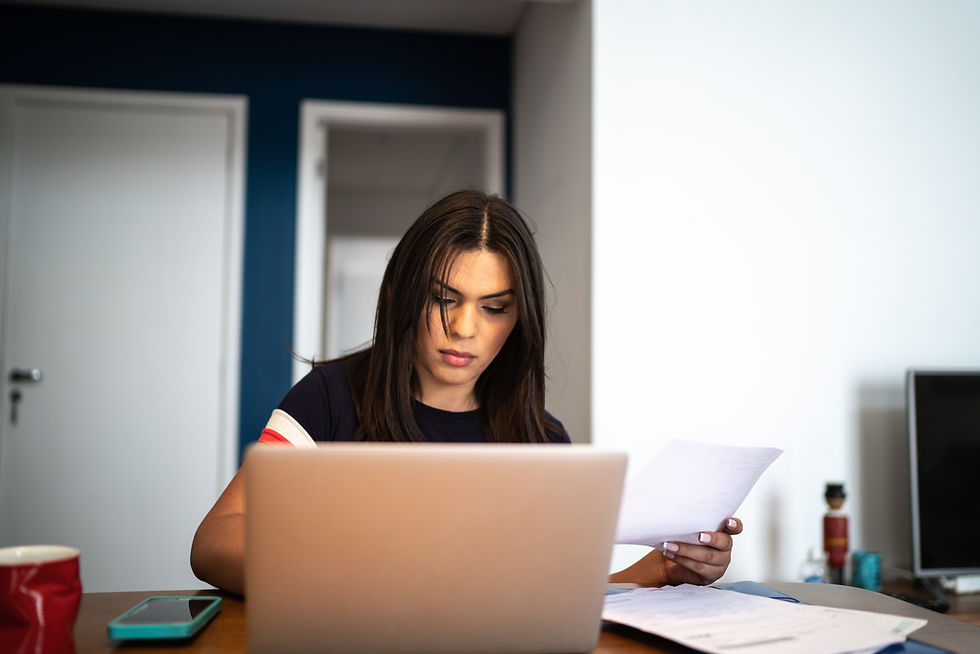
(218, 552)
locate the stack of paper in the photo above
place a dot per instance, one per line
(723, 621)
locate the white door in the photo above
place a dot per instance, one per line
(122, 226)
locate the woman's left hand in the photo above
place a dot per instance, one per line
(682, 563)
(701, 564)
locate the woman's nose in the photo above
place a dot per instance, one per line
(464, 321)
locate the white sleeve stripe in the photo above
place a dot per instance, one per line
(286, 426)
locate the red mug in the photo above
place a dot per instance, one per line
(39, 596)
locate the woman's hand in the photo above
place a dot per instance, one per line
(682, 563)
(705, 563)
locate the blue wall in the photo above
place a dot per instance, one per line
(276, 65)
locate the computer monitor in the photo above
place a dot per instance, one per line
(944, 456)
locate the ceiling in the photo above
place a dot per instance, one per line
(495, 17)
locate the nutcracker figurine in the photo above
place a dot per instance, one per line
(835, 533)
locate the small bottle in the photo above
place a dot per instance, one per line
(814, 569)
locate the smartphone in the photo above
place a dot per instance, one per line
(165, 617)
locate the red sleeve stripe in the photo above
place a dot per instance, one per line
(273, 438)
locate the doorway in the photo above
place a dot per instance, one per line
(366, 172)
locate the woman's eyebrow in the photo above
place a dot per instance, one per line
(500, 294)
(491, 296)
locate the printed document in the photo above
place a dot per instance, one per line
(705, 485)
(726, 622)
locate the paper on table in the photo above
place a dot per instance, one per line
(687, 488)
(722, 621)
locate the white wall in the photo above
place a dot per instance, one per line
(785, 217)
(552, 185)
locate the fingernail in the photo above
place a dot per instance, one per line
(671, 547)
(704, 537)
(732, 524)
(669, 555)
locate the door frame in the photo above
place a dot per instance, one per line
(235, 107)
(316, 119)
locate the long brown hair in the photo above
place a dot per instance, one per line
(511, 391)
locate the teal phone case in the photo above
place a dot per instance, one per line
(118, 630)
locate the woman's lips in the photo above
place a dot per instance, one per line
(457, 358)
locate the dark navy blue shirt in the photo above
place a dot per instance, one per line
(320, 407)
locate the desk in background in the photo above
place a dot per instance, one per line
(226, 633)
(961, 607)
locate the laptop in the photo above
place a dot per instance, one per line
(371, 547)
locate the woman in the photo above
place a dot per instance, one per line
(458, 355)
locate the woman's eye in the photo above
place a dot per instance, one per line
(496, 309)
(442, 299)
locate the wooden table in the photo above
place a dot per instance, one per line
(226, 633)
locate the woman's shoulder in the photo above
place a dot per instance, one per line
(554, 430)
(322, 402)
(333, 372)
(321, 382)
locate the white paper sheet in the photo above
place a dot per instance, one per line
(723, 622)
(687, 488)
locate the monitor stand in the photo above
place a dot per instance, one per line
(940, 601)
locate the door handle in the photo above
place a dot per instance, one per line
(31, 375)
